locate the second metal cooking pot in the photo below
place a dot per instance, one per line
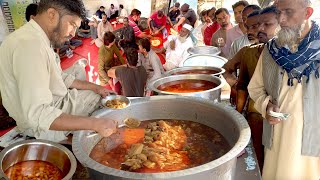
(211, 94)
(218, 71)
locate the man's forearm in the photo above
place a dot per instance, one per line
(84, 85)
(230, 78)
(66, 122)
(241, 100)
(181, 21)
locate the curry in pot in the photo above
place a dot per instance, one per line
(164, 146)
(187, 86)
(34, 170)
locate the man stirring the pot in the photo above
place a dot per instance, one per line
(46, 103)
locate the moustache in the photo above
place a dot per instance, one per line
(262, 34)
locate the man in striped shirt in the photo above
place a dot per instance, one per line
(133, 19)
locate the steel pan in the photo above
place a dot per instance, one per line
(228, 122)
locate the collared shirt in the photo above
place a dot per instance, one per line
(111, 11)
(152, 64)
(31, 80)
(107, 61)
(249, 56)
(103, 28)
(238, 44)
(135, 27)
(220, 34)
(232, 34)
(209, 31)
(174, 58)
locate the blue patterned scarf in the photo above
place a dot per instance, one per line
(302, 62)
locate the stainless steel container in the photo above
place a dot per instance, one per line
(211, 50)
(219, 71)
(205, 60)
(43, 150)
(211, 94)
(222, 118)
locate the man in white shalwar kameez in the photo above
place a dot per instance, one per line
(176, 48)
(286, 80)
(45, 102)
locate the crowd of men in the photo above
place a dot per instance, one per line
(273, 66)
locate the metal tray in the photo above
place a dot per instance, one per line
(211, 50)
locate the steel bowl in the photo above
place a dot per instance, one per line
(228, 122)
(210, 50)
(205, 60)
(42, 150)
(115, 97)
(211, 94)
(218, 71)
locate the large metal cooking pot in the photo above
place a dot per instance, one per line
(218, 71)
(43, 150)
(211, 94)
(222, 118)
(205, 60)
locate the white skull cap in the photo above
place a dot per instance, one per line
(187, 26)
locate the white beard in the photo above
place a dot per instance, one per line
(289, 37)
(182, 39)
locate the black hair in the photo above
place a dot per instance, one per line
(269, 9)
(121, 6)
(252, 6)
(135, 12)
(108, 38)
(132, 56)
(220, 10)
(31, 10)
(70, 7)
(101, 7)
(253, 13)
(111, 4)
(145, 43)
(160, 13)
(240, 3)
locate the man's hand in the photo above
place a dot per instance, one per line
(172, 44)
(103, 92)
(156, 32)
(105, 127)
(175, 27)
(233, 95)
(274, 108)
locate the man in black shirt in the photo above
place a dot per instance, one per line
(127, 37)
(100, 11)
(173, 14)
(84, 29)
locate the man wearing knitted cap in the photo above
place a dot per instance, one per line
(188, 16)
(176, 48)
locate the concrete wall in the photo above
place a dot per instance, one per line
(3, 27)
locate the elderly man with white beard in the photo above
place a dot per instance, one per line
(286, 80)
(176, 48)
